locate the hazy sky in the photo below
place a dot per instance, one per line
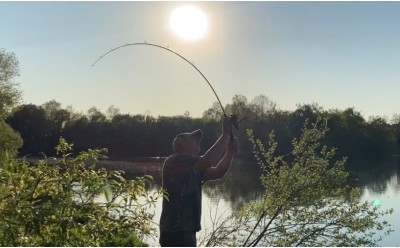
(336, 54)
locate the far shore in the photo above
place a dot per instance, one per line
(131, 166)
(148, 165)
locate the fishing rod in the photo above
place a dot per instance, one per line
(232, 118)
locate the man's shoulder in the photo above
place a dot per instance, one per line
(178, 159)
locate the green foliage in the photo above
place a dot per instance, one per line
(10, 141)
(31, 123)
(305, 200)
(359, 139)
(9, 94)
(67, 202)
(123, 238)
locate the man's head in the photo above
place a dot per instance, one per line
(188, 142)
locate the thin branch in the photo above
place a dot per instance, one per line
(255, 242)
(252, 231)
(312, 233)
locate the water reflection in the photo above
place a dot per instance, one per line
(380, 178)
(242, 184)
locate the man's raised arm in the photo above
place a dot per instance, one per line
(215, 153)
(223, 166)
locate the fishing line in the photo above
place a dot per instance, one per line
(169, 50)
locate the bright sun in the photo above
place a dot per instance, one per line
(189, 22)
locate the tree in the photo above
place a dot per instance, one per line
(56, 115)
(214, 113)
(305, 202)
(51, 108)
(68, 202)
(381, 141)
(112, 111)
(10, 141)
(262, 106)
(57, 119)
(239, 106)
(96, 115)
(31, 122)
(396, 129)
(9, 94)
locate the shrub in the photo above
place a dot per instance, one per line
(67, 202)
(305, 201)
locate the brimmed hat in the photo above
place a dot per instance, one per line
(198, 134)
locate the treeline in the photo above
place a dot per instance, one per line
(124, 135)
(128, 136)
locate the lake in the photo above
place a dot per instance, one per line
(240, 185)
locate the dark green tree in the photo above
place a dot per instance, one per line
(34, 127)
(57, 118)
(262, 107)
(396, 130)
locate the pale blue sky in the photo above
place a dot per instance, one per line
(336, 54)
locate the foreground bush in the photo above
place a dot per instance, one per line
(70, 203)
(305, 201)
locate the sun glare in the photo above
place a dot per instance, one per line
(189, 22)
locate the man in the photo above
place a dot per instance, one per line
(183, 174)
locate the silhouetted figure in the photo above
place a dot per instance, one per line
(182, 176)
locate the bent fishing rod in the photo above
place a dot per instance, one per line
(233, 118)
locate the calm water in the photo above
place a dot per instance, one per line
(241, 185)
(383, 187)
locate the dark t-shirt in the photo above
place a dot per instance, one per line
(182, 211)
